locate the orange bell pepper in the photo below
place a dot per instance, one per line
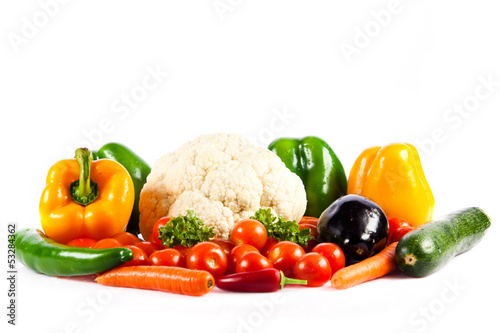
(392, 176)
(86, 199)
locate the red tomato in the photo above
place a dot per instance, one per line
(140, 257)
(314, 232)
(284, 255)
(167, 257)
(107, 243)
(399, 233)
(226, 245)
(183, 250)
(271, 241)
(160, 223)
(396, 223)
(236, 253)
(309, 220)
(209, 257)
(250, 232)
(82, 242)
(333, 253)
(252, 261)
(148, 247)
(126, 238)
(314, 268)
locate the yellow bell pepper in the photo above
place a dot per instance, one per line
(83, 198)
(392, 176)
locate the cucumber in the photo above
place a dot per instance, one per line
(430, 246)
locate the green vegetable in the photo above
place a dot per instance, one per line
(44, 255)
(136, 167)
(282, 230)
(316, 164)
(185, 230)
(431, 246)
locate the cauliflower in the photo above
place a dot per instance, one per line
(223, 178)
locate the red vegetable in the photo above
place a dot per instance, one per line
(398, 234)
(209, 257)
(250, 232)
(167, 257)
(252, 261)
(284, 255)
(333, 253)
(271, 241)
(267, 280)
(396, 223)
(156, 227)
(82, 242)
(149, 247)
(313, 268)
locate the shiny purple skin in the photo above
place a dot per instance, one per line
(357, 225)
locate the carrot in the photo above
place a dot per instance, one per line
(177, 280)
(372, 268)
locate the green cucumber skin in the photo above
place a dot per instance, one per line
(435, 243)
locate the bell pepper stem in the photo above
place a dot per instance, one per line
(84, 191)
(286, 280)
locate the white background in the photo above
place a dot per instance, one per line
(66, 69)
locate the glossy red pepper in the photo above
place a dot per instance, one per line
(266, 280)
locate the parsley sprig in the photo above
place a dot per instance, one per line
(185, 230)
(281, 229)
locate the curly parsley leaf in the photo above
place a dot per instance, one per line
(282, 230)
(185, 230)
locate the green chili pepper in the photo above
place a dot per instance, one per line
(44, 255)
(136, 167)
(316, 164)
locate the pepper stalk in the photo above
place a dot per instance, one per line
(84, 191)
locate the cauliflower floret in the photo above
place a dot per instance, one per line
(223, 178)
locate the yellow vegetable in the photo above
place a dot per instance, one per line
(392, 176)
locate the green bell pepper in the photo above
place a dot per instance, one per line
(136, 167)
(316, 164)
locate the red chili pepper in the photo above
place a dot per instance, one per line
(266, 280)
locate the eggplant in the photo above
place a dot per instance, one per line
(357, 225)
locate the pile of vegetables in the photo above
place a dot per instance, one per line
(220, 212)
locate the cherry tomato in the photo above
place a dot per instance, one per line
(236, 253)
(314, 268)
(126, 238)
(158, 224)
(333, 253)
(309, 220)
(399, 233)
(252, 261)
(183, 250)
(140, 257)
(151, 239)
(314, 232)
(226, 245)
(271, 241)
(396, 223)
(167, 257)
(82, 242)
(148, 247)
(209, 257)
(284, 255)
(107, 243)
(250, 232)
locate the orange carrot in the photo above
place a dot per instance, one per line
(372, 268)
(177, 280)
